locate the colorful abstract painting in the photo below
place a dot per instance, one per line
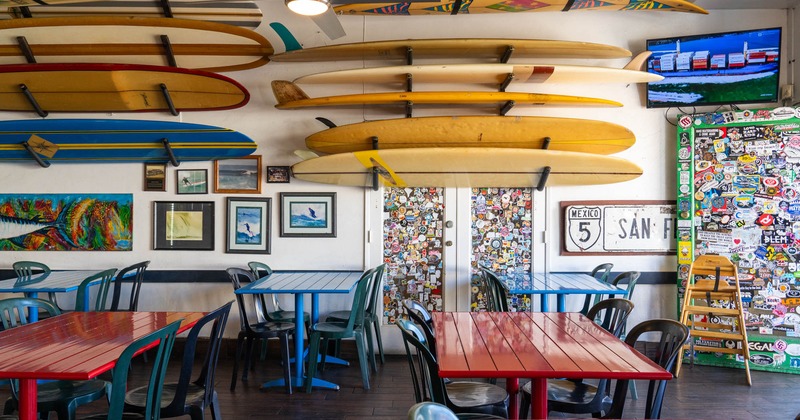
(66, 222)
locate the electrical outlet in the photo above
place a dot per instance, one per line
(787, 92)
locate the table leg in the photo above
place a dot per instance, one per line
(27, 399)
(545, 304)
(538, 398)
(512, 387)
(562, 302)
(33, 313)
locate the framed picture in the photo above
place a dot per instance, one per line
(155, 176)
(308, 215)
(248, 225)
(278, 174)
(238, 176)
(192, 181)
(187, 225)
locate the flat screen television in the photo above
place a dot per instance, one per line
(713, 69)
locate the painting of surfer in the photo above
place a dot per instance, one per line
(66, 222)
(308, 214)
(240, 175)
(192, 181)
(248, 225)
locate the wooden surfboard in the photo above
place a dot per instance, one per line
(125, 40)
(494, 73)
(465, 167)
(479, 48)
(97, 140)
(238, 13)
(116, 88)
(290, 96)
(445, 7)
(570, 134)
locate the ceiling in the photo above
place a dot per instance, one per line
(747, 4)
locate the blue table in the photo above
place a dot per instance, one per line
(52, 282)
(561, 285)
(300, 283)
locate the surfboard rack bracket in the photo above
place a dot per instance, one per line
(409, 109)
(409, 56)
(546, 143)
(543, 179)
(409, 82)
(167, 8)
(170, 153)
(23, 11)
(507, 107)
(168, 98)
(25, 91)
(374, 168)
(26, 49)
(507, 54)
(35, 155)
(168, 51)
(506, 82)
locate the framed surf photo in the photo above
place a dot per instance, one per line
(155, 177)
(183, 225)
(248, 225)
(308, 215)
(278, 174)
(191, 181)
(238, 176)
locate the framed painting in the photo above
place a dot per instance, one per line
(155, 176)
(183, 225)
(238, 176)
(66, 222)
(308, 215)
(191, 181)
(278, 174)
(248, 225)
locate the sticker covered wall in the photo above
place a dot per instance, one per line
(66, 222)
(739, 197)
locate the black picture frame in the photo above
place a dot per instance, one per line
(191, 181)
(278, 174)
(183, 225)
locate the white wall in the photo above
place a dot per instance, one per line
(278, 133)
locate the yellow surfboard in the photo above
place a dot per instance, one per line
(445, 7)
(479, 48)
(493, 73)
(125, 40)
(289, 96)
(465, 167)
(570, 134)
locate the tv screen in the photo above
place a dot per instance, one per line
(712, 69)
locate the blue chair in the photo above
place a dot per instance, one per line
(188, 397)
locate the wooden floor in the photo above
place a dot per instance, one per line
(701, 392)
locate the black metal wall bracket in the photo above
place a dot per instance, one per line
(170, 153)
(507, 54)
(375, 174)
(168, 98)
(168, 51)
(35, 155)
(506, 82)
(26, 49)
(507, 107)
(543, 179)
(25, 91)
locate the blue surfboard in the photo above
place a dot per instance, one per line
(96, 140)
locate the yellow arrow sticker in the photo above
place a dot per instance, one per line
(371, 160)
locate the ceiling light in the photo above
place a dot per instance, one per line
(308, 7)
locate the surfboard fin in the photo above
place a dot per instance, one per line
(305, 154)
(289, 41)
(638, 62)
(286, 91)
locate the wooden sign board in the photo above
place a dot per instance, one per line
(618, 227)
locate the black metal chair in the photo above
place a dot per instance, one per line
(188, 397)
(575, 396)
(254, 331)
(138, 270)
(498, 291)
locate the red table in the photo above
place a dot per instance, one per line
(75, 346)
(535, 345)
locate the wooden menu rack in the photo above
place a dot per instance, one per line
(717, 281)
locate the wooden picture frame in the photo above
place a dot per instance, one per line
(238, 176)
(278, 174)
(183, 225)
(248, 225)
(191, 181)
(310, 215)
(155, 176)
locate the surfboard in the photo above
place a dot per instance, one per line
(290, 96)
(465, 167)
(108, 39)
(570, 134)
(492, 73)
(112, 140)
(238, 13)
(445, 7)
(116, 88)
(479, 48)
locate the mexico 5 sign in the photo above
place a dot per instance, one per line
(600, 227)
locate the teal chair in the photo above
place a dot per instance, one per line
(103, 288)
(135, 274)
(63, 397)
(372, 317)
(353, 328)
(152, 411)
(31, 272)
(601, 273)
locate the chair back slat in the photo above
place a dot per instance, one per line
(136, 272)
(103, 288)
(360, 299)
(611, 314)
